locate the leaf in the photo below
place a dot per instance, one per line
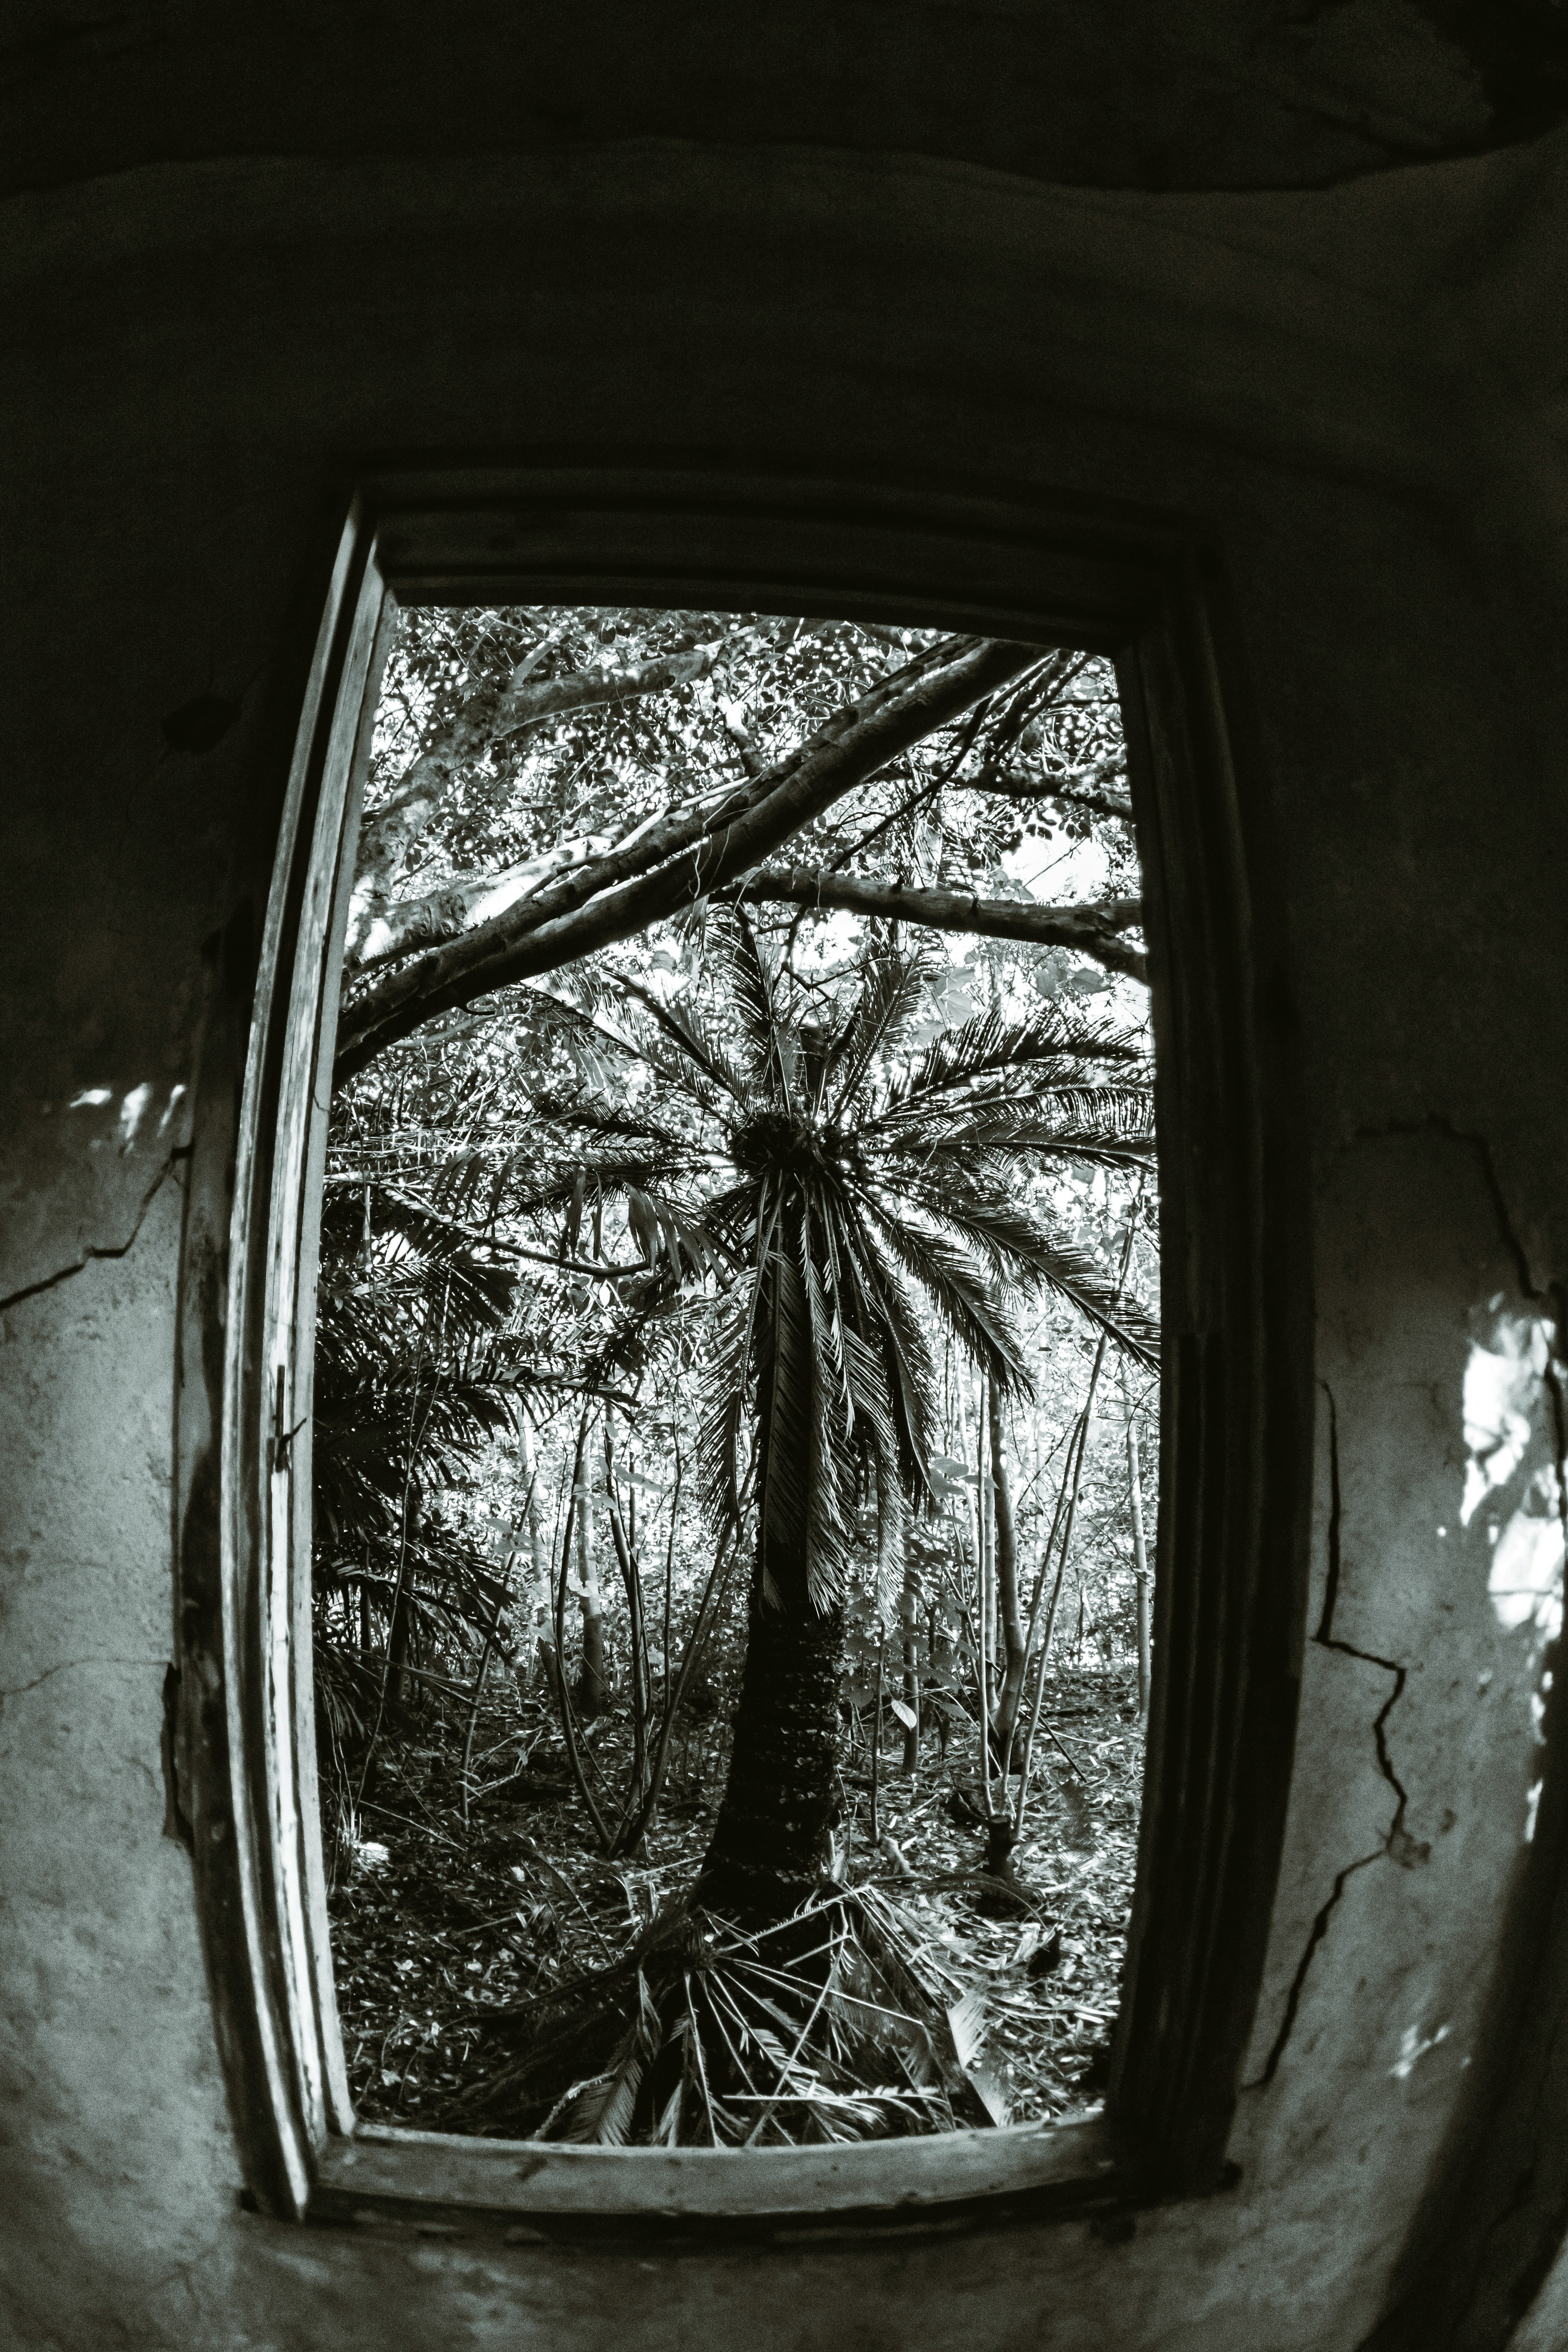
(967, 2022)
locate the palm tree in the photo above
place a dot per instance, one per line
(840, 1178)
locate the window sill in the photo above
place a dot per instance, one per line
(441, 2185)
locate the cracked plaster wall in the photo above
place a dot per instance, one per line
(1428, 1713)
(1354, 392)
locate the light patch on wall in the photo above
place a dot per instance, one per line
(1501, 1381)
(1413, 2047)
(1503, 1395)
(133, 1111)
(1526, 1579)
(1538, 1710)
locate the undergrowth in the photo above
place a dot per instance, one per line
(467, 1910)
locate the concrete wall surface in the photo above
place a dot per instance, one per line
(1353, 398)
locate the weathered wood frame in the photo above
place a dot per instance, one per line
(1236, 1398)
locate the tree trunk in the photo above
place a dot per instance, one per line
(909, 1618)
(399, 1639)
(1140, 1559)
(397, 1683)
(770, 1844)
(623, 1535)
(986, 1505)
(532, 1611)
(593, 1685)
(1009, 1607)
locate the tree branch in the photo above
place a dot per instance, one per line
(386, 929)
(387, 835)
(683, 856)
(1080, 786)
(1091, 929)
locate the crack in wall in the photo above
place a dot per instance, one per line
(68, 1665)
(1397, 1844)
(95, 1250)
(1437, 1123)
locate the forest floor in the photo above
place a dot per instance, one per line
(458, 1899)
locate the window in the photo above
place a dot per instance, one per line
(1234, 1404)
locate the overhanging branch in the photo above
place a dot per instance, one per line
(1090, 930)
(683, 857)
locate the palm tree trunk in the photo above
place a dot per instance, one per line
(770, 1843)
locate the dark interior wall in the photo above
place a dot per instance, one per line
(1098, 93)
(1352, 397)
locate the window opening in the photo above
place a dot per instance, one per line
(734, 1384)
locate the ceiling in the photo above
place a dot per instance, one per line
(1115, 94)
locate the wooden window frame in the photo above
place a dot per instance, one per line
(1236, 1398)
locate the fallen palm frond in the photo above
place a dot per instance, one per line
(827, 2026)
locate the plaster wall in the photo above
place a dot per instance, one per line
(1353, 398)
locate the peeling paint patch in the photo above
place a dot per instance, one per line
(1412, 2048)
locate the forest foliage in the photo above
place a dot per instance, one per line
(543, 1357)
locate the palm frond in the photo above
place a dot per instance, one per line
(1002, 1233)
(964, 1300)
(988, 1045)
(730, 1381)
(913, 1394)
(1014, 1104)
(1010, 1136)
(890, 996)
(690, 1034)
(751, 988)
